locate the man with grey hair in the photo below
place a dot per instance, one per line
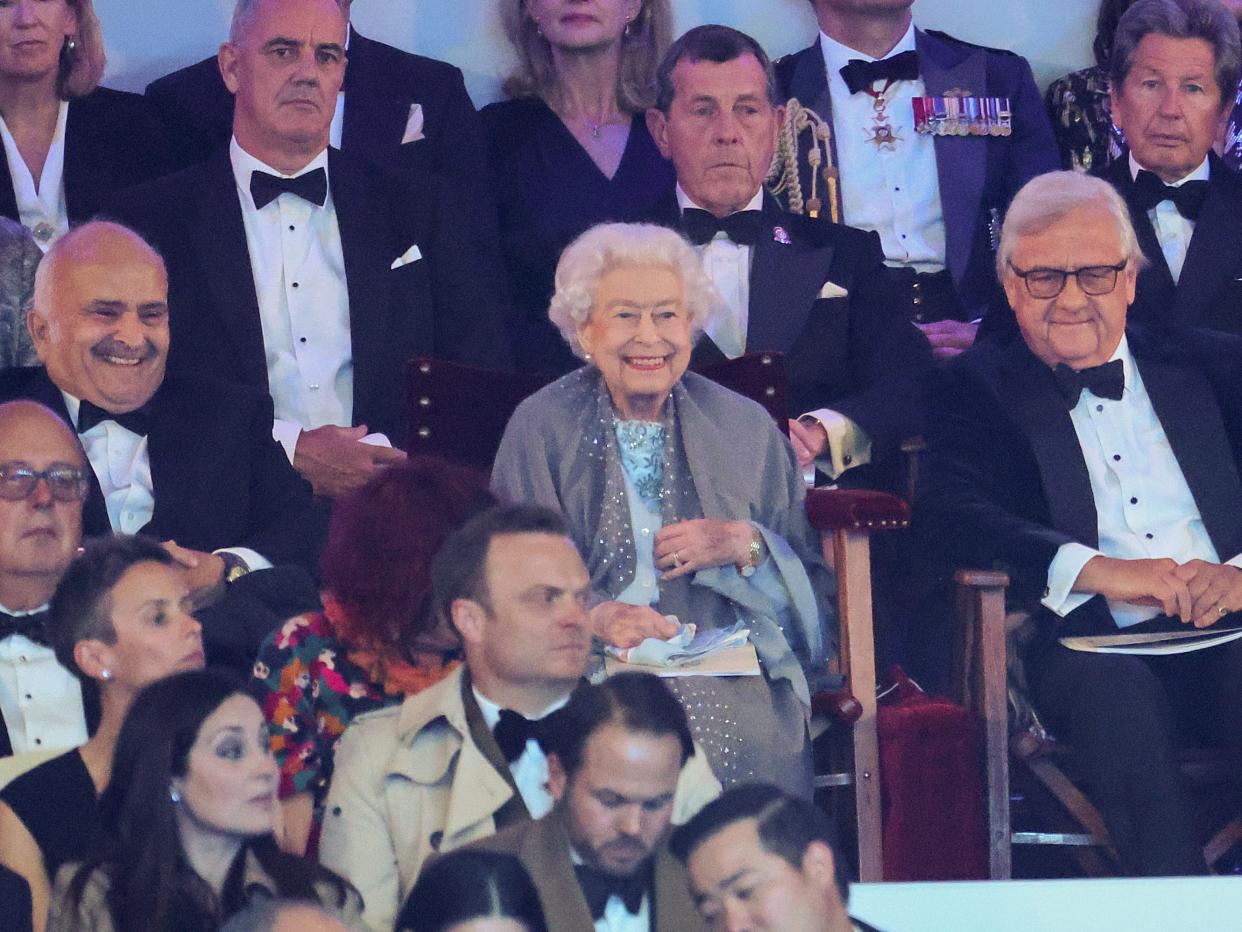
(1099, 467)
(1174, 74)
(296, 268)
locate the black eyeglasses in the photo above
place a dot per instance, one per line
(66, 483)
(1094, 280)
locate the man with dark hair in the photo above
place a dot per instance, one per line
(817, 292)
(1174, 74)
(763, 861)
(598, 859)
(463, 759)
(305, 271)
(935, 188)
(43, 482)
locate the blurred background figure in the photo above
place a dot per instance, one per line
(264, 915)
(473, 891)
(19, 258)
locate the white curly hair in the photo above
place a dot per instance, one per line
(610, 246)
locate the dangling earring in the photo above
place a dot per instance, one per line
(174, 796)
(629, 28)
(71, 45)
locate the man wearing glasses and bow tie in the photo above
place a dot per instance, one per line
(934, 188)
(1098, 465)
(1173, 72)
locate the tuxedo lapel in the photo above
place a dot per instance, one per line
(785, 277)
(1200, 446)
(545, 853)
(809, 82)
(1026, 387)
(219, 238)
(6, 744)
(961, 162)
(1155, 280)
(1215, 252)
(84, 174)
(173, 431)
(374, 118)
(672, 909)
(365, 243)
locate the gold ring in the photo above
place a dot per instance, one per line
(1221, 610)
(677, 559)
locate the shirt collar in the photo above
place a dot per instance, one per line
(491, 711)
(245, 164)
(1202, 173)
(837, 55)
(23, 612)
(684, 200)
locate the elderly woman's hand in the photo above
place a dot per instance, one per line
(688, 546)
(623, 625)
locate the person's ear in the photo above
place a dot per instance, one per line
(40, 331)
(558, 779)
(227, 60)
(94, 658)
(468, 618)
(657, 126)
(819, 865)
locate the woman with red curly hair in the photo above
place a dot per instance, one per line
(376, 641)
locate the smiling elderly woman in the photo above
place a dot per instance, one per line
(684, 498)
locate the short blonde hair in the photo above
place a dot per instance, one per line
(642, 46)
(610, 246)
(82, 69)
(1049, 198)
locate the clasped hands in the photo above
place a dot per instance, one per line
(1197, 592)
(336, 462)
(680, 548)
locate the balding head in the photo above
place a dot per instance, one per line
(100, 316)
(40, 521)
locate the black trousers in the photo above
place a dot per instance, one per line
(1126, 717)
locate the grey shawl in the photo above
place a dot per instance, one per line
(19, 257)
(559, 450)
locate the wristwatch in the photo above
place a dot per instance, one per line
(755, 555)
(234, 566)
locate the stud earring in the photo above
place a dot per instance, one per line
(106, 674)
(174, 796)
(71, 44)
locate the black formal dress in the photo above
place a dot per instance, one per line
(446, 303)
(113, 141)
(15, 895)
(1006, 485)
(57, 803)
(548, 190)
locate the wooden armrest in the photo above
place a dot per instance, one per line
(982, 579)
(855, 510)
(841, 706)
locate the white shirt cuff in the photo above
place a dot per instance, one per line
(1063, 572)
(286, 433)
(848, 444)
(254, 559)
(1235, 561)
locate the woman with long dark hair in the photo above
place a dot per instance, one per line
(475, 890)
(187, 823)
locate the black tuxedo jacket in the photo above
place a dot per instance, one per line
(1209, 291)
(113, 140)
(978, 175)
(443, 304)
(220, 480)
(1004, 481)
(854, 354)
(381, 83)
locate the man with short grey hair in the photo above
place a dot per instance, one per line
(1098, 465)
(1174, 73)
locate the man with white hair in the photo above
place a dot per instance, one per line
(1099, 467)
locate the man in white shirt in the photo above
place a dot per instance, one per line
(300, 269)
(43, 482)
(1174, 70)
(1099, 466)
(464, 758)
(934, 192)
(598, 859)
(817, 292)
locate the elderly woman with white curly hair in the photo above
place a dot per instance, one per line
(683, 497)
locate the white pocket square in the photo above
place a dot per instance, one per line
(413, 125)
(413, 254)
(832, 290)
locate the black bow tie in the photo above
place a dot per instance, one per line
(1149, 191)
(32, 626)
(701, 227)
(1106, 381)
(138, 420)
(513, 730)
(597, 887)
(265, 188)
(860, 75)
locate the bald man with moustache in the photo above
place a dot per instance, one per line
(43, 482)
(190, 461)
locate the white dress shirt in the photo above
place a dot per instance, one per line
(40, 700)
(616, 917)
(299, 277)
(895, 192)
(530, 769)
(122, 466)
(41, 207)
(1144, 508)
(1172, 229)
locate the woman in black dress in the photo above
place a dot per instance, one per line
(66, 143)
(571, 148)
(118, 621)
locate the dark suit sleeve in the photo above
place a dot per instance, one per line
(890, 356)
(980, 501)
(1033, 149)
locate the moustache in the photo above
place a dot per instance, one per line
(115, 348)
